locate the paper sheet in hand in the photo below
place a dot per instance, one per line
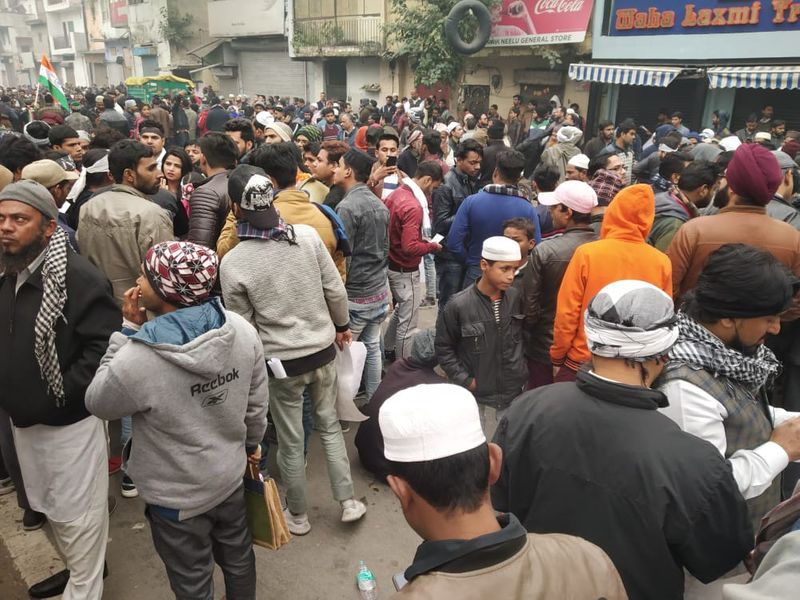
(349, 365)
(437, 239)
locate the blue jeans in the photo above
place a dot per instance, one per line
(365, 325)
(126, 431)
(449, 274)
(472, 275)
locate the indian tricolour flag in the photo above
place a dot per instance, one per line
(49, 80)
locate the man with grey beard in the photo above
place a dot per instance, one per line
(57, 312)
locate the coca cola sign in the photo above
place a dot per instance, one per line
(558, 6)
(536, 22)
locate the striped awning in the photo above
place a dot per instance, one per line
(624, 74)
(764, 78)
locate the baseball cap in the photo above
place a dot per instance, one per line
(577, 195)
(47, 172)
(429, 422)
(252, 190)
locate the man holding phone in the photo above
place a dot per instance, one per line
(385, 177)
(409, 217)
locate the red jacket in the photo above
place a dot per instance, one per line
(406, 246)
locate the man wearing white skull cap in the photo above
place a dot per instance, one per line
(440, 469)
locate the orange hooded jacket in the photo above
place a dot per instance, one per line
(622, 252)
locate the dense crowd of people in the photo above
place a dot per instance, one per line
(627, 305)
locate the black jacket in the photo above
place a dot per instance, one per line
(541, 280)
(210, 204)
(596, 459)
(90, 317)
(403, 374)
(470, 344)
(446, 200)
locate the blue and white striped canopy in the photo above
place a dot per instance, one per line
(624, 74)
(765, 78)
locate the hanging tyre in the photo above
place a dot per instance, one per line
(457, 13)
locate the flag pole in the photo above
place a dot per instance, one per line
(36, 98)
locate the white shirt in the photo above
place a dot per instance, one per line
(700, 414)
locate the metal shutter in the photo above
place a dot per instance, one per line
(271, 73)
(785, 102)
(642, 103)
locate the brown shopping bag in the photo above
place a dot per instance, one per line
(264, 514)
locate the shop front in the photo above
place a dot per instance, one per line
(695, 57)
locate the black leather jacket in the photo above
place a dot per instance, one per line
(471, 345)
(446, 200)
(210, 205)
(540, 284)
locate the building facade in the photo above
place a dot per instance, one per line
(729, 55)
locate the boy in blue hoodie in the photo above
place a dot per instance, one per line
(195, 382)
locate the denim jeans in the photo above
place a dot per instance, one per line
(365, 325)
(403, 322)
(286, 406)
(126, 431)
(430, 270)
(449, 275)
(471, 276)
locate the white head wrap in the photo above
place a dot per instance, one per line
(630, 319)
(568, 134)
(101, 166)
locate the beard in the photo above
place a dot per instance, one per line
(14, 264)
(746, 349)
(721, 198)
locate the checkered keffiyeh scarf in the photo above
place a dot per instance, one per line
(699, 348)
(606, 185)
(505, 190)
(54, 297)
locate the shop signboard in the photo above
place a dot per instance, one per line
(673, 17)
(539, 22)
(118, 13)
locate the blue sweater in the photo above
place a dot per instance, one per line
(481, 216)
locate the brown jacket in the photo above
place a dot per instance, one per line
(294, 207)
(549, 567)
(699, 237)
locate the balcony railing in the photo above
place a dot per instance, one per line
(339, 36)
(56, 5)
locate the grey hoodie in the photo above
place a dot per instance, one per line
(195, 382)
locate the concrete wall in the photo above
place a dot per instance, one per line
(479, 71)
(362, 71)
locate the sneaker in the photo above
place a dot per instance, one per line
(128, 488)
(345, 425)
(6, 486)
(298, 524)
(352, 510)
(32, 520)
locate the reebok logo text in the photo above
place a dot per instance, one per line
(199, 388)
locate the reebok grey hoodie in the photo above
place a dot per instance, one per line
(195, 382)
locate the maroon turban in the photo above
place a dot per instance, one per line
(753, 173)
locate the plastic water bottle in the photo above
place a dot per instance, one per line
(365, 580)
